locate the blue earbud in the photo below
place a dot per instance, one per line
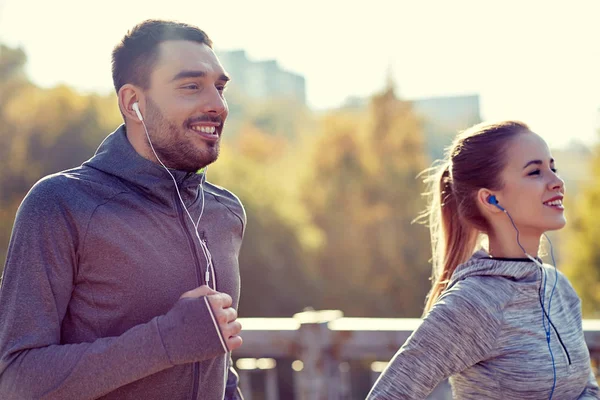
(494, 201)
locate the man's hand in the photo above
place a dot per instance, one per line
(225, 315)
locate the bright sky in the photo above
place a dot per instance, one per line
(538, 61)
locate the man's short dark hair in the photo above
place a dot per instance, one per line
(135, 56)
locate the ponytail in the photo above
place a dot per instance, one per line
(475, 160)
(452, 240)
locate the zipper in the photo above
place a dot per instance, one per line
(199, 277)
(199, 280)
(559, 338)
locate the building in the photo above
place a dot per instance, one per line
(441, 118)
(262, 79)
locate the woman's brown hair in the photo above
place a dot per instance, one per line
(474, 161)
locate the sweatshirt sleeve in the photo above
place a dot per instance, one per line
(459, 331)
(232, 389)
(591, 391)
(34, 297)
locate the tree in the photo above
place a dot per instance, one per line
(364, 194)
(12, 72)
(582, 255)
(276, 255)
(43, 131)
(280, 117)
(402, 247)
(12, 82)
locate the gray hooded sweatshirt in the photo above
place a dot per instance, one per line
(98, 259)
(485, 332)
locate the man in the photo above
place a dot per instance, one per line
(122, 279)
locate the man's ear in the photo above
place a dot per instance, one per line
(129, 94)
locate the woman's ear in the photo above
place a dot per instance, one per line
(488, 201)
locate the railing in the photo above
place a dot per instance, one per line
(319, 348)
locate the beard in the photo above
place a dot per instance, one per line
(176, 146)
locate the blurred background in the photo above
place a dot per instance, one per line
(335, 108)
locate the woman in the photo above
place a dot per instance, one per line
(498, 322)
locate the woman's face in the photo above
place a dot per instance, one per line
(532, 192)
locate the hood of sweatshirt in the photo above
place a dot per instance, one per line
(117, 157)
(482, 264)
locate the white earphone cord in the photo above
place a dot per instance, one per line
(203, 246)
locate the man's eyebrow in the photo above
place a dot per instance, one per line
(188, 74)
(185, 74)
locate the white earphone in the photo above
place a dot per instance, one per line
(136, 108)
(210, 268)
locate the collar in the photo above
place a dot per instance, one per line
(116, 156)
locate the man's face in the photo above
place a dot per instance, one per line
(185, 106)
